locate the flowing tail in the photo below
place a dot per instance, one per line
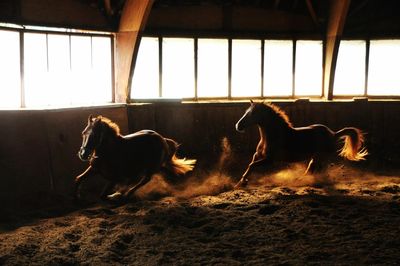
(178, 166)
(353, 149)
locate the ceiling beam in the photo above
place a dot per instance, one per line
(133, 20)
(276, 4)
(313, 15)
(337, 17)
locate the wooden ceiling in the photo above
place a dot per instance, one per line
(365, 18)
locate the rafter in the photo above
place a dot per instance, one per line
(312, 12)
(337, 18)
(132, 22)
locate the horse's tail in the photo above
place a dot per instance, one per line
(179, 166)
(352, 149)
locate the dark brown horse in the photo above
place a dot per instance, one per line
(129, 160)
(281, 142)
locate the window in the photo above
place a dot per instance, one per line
(58, 69)
(178, 68)
(384, 65)
(145, 81)
(212, 68)
(246, 68)
(350, 68)
(10, 93)
(278, 68)
(67, 70)
(308, 69)
(236, 68)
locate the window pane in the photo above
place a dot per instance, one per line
(59, 70)
(10, 82)
(308, 69)
(384, 65)
(278, 68)
(212, 74)
(81, 66)
(350, 69)
(178, 68)
(101, 89)
(145, 81)
(246, 68)
(36, 80)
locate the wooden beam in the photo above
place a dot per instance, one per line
(276, 4)
(337, 17)
(133, 20)
(313, 15)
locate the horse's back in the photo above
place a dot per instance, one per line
(312, 139)
(142, 133)
(143, 146)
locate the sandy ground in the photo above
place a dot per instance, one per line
(344, 217)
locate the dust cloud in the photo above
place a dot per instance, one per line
(337, 178)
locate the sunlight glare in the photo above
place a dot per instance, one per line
(61, 70)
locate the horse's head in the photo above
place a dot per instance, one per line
(91, 138)
(250, 117)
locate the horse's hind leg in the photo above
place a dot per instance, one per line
(317, 164)
(145, 179)
(107, 190)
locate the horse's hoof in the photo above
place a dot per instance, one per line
(117, 196)
(240, 184)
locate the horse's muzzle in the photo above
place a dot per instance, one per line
(84, 156)
(239, 128)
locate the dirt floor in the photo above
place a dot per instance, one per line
(345, 217)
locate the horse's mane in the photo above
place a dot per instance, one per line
(279, 112)
(112, 127)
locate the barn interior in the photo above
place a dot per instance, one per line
(41, 133)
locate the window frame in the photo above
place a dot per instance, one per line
(21, 30)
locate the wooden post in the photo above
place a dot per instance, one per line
(337, 18)
(133, 20)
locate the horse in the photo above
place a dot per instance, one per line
(281, 142)
(130, 160)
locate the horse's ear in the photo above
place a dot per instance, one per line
(251, 102)
(90, 119)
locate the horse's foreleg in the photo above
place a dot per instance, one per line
(106, 190)
(78, 180)
(141, 183)
(244, 180)
(310, 167)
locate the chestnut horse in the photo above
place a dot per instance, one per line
(129, 160)
(281, 142)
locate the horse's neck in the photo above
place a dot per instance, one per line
(268, 132)
(108, 144)
(262, 132)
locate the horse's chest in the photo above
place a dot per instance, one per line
(110, 169)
